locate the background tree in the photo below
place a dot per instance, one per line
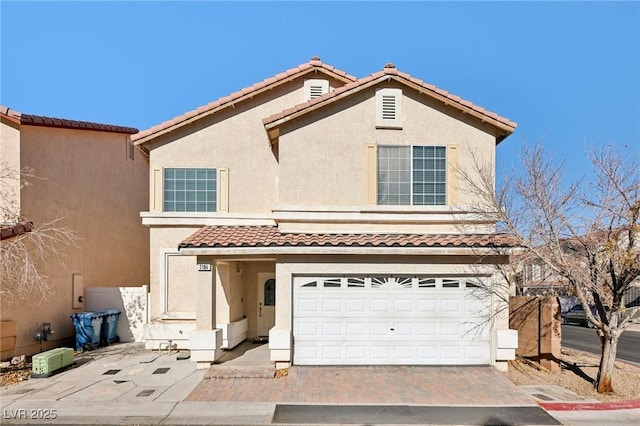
(23, 259)
(585, 233)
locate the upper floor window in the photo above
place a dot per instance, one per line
(412, 175)
(315, 88)
(190, 190)
(389, 108)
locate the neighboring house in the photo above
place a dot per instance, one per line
(324, 212)
(534, 278)
(95, 181)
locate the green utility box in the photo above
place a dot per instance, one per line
(46, 363)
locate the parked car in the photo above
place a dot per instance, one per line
(577, 315)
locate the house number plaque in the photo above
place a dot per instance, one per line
(204, 266)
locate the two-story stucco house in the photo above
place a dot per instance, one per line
(89, 178)
(324, 212)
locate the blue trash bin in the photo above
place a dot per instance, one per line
(88, 330)
(109, 326)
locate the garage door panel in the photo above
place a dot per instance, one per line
(426, 305)
(356, 329)
(307, 305)
(380, 352)
(332, 329)
(332, 305)
(379, 305)
(379, 328)
(403, 305)
(356, 305)
(427, 330)
(451, 305)
(366, 325)
(308, 329)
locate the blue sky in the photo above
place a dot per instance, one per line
(568, 73)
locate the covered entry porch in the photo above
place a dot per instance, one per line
(235, 301)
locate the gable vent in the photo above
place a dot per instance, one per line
(315, 91)
(315, 88)
(388, 107)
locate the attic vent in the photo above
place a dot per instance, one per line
(315, 92)
(388, 107)
(315, 88)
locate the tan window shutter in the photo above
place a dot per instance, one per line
(156, 191)
(371, 170)
(453, 179)
(223, 189)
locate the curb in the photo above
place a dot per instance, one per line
(591, 406)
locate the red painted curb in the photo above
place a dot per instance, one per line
(590, 406)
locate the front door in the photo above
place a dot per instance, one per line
(266, 304)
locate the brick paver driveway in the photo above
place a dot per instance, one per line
(465, 386)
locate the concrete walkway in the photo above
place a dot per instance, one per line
(125, 384)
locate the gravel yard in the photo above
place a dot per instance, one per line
(579, 370)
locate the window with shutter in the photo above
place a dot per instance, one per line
(389, 108)
(412, 175)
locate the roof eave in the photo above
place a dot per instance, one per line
(233, 102)
(504, 129)
(338, 250)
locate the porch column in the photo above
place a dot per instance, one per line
(280, 336)
(205, 341)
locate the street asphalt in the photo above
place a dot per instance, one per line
(124, 384)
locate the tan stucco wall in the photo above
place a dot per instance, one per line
(9, 162)
(164, 244)
(86, 179)
(322, 161)
(234, 138)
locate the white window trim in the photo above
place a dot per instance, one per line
(382, 123)
(308, 84)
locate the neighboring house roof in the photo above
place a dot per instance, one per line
(39, 120)
(12, 231)
(270, 236)
(315, 64)
(391, 73)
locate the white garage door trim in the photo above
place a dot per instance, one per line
(390, 320)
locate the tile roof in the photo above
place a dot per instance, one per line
(39, 120)
(270, 236)
(314, 64)
(11, 231)
(390, 71)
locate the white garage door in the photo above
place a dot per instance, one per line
(390, 320)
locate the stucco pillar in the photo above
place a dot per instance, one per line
(205, 341)
(280, 336)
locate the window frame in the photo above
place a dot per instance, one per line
(215, 189)
(445, 193)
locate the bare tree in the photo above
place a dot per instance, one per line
(585, 232)
(23, 258)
